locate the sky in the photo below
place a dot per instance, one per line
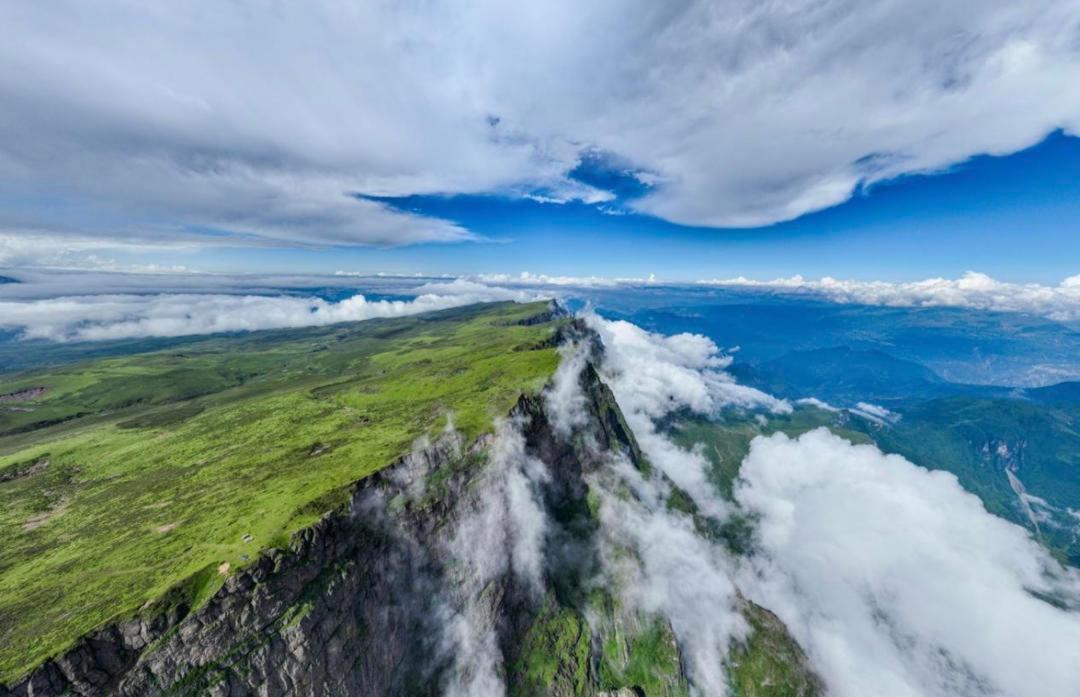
(890, 141)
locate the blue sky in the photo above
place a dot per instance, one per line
(614, 138)
(1015, 217)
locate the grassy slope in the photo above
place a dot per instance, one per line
(646, 658)
(554, 656)
(770, 663)
(132, 474)
(634, 651)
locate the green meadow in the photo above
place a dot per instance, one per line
(128, 477)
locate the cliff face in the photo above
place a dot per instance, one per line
(368, 600)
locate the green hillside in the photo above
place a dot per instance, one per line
(979, 439)
(123, 477)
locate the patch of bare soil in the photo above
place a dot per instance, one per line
(30, 470)
(38, 519)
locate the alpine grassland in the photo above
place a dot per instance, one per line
(769, 663)
(130, 480)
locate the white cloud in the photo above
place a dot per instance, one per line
(875, 413)
(738, 113)
(471, 289)
(36, 248)
(99, 317)
(530, 279)
(502, 532)
(505, 528)
(672, 572)
(37, 283)
(973, 290)
(383, 274)
(564, 400)
(815, 402)
(894, 580)
(897, 582)
(653, 375)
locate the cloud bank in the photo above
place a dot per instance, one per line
(125, 120)
(897, 582)
(530, 279)
(653, 374)
(125, 316)
(973, 290)
(37, 284)
(685, 369)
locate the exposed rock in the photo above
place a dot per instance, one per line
(553, 312)
(22, 395)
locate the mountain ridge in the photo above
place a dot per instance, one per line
(358, 602)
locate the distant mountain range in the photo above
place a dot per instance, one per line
(959, 345)
(847, 376)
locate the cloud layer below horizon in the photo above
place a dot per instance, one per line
(135, 124)
(66, 306)
(899, 583)
(128, 316)
(973, 290)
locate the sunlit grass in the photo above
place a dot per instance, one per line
(163, 466)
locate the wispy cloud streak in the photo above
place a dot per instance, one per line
(973, 290)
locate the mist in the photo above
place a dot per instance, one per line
(897, 582)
